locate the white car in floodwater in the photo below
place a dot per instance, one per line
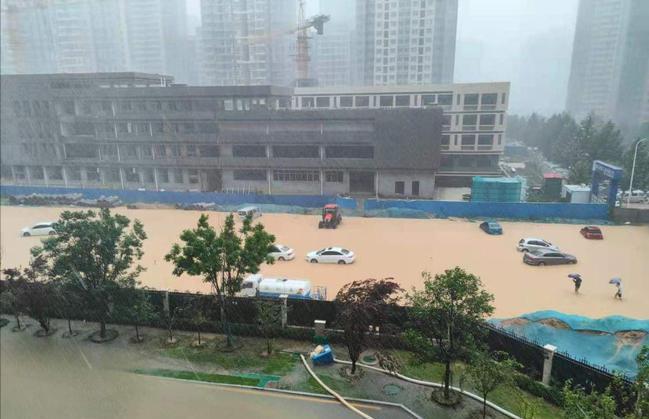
(337, 255)
(281, 252)
(40, 229)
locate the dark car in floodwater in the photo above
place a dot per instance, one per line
(548, 257)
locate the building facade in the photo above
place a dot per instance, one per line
(610, 61)
(473, 128)
(133, 131)
(247, 43)
(83, 36)
(405, 41)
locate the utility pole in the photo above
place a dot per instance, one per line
(635, 155)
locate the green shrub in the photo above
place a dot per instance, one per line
(549, 394)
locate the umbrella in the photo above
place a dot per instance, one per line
(616, 281)
(574, 276)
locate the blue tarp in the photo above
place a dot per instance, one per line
(600, 341)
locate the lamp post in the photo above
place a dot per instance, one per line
(635, 154)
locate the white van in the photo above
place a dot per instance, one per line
(252, 212)
(637, 196)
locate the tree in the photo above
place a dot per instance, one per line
(487, 374)
(33, 293)
(169, 317)
(196, 315)
(136, 308)
(222, 259)
(69, 304)
(94, 253)
(579, 404)
(593, 141)
(361, 305)
(447, 316)
(269, 319)
(9, 304)
(642, 383)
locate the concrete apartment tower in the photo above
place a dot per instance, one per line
(333, 51)
(405, 41)
(610, 62)
(246, 42)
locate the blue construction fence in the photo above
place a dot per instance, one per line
(173, 198)
(370, 207)
(511, 210)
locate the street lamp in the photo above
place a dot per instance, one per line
(635, 154)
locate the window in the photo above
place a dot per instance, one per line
(124, 106)
(296, 175)
(445, 143)
(172, 106)
(206, 127)
(191, 150)
(163, 175)
(361, 101)
(504, 98)
(471, 99)
(80, 151)
(249, 151)
(108, 151)
(386, 101)
(249, 174)
(112, 175)
(334, 176)
(487, 121)
(469, 121)
(141, 106)
(322, 102)
(208, 150)
(36, 172)
(308, 102)
(415, 188)
(485, 141)
(55, 173)
(123, 127)
(132, 175)
(296, 151)
(349, 152)
(178, 176)
(160, 151)
(399, 187)
(346, 101)
(194, 178)
(92, 174)
(488, 99)
(446, 121)
(501, 118)
(157, 127)
(403, 100)
(468, 142)
(82, 128)
(445, 100)
(427, 100)
(141, 128)
(147, 175)
(73, 173)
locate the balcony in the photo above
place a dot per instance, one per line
(468, 147)
(487, 127)
(485, 147)
(469, 127)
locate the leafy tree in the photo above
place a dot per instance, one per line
(447, 316)
(641, 175)
(136, 308)
(9, 304)
(579, 404)
(196, 315)
(169, 317)
(642, 384)
(487, 374)
(94, 253)
(361, 305)
(32, 291)
(269, 319)
(222, 259)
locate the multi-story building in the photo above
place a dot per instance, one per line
(474, 119)
(77, 36)
(610, 61)
(132, 131)
(331, 63)
(405, 41)
(247, 43)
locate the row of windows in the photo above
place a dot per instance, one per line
(139, 152)
(296, 175)
(468, 141)
(111, 175)
(484, 100)
(305, 151)
(138, 128)
(334, 176)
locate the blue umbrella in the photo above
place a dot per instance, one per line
(615, 281)
(574, 276)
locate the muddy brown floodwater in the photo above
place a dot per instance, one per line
(403, 248)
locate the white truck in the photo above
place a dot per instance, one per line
(258, 286)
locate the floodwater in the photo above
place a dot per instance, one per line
(74, 378)
(402, 249)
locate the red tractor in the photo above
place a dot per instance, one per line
(331, 216)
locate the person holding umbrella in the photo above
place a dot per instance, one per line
(576, 278)
(618, 283)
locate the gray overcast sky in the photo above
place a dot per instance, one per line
(526, 42)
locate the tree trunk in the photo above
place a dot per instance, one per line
(102, 328)
(199, 337)
(269, 346)
(447, 379)
(18, 321)
(70, 327)
(45, 325)
(137, 333)
(224, 322)
(484, 407)
(353, 366)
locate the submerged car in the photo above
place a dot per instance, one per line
(337, 255)
(281, 252)
(491, 227)
(548, 257)
(529, 244)
(592, 232)
(40, 229)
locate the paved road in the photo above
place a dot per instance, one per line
(60, 378)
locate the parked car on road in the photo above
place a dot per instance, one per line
(491, 227)
(592, 232)
(530, 243)
(281, 252)
(252, 212)
(548, 257)
(40, 229)
(337, 255)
